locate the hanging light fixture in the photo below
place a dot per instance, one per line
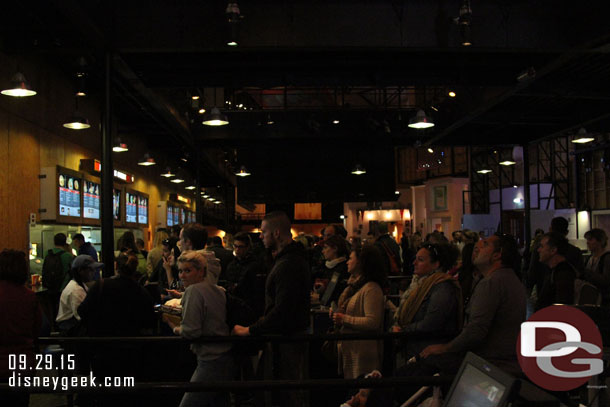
(119, 146)
(78, 122)
(464, 20)
(233, 17)
(243, 172)
(215, 118)
(167, 173)
(358, 170)
(582, 137)
(506, 163)
(177, 180)
(421, 121)
(19, 87)
(146, 160)
(484, 171)
(190, 187)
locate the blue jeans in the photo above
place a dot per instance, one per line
(222, 368)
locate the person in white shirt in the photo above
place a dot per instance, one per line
(82, 270)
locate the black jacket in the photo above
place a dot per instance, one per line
(287, 298)
(225, 256)
(246, 280)
(117, 307)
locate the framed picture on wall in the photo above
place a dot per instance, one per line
(440, 198)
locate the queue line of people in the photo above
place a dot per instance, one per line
(435, 303)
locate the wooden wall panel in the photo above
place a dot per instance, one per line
(4, 164)
(22, 183)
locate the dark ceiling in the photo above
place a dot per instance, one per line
(302, 64)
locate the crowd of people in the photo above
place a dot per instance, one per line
(470, 293)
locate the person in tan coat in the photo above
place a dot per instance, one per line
(361, 309)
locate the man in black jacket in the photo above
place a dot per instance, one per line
(287, 303)
(246, 274)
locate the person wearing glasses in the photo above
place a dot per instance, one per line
(203, 314)
(433, 302)
(245, 276)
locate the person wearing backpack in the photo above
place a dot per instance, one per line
(56, 272)
(597, 267)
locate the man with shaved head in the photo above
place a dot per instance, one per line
(286, 303)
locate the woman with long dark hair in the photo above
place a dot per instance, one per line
(361, 309)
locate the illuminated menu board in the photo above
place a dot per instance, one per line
(142, 210)
(116, 204)
(176, 216)
(69, 195)
(131, 208)
(183, 219)
(91, 200)
(170, 216)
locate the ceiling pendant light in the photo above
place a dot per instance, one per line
(119, 146)
(421, 121)
(215, 118)
(177, 180)
(582, 137)
(77, 122)
(233, 17)
(507, 162)
(167, 173)
(484, 171)
(146, 160)
(19, 87)
(190, 187)
(358, 170)
(243, 172)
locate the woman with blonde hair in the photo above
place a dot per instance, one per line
(203, 314)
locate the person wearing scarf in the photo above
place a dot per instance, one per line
(432, 304)
(335, 252)
(361, 309)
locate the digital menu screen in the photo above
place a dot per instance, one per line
(183, 216)
(170, 216)
(116, 204)
(69, 195)
(131, 208)
(142, 210)
(91, 200)
(176, 216)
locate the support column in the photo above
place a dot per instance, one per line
(107, 174)
(198, 199)
(526, 195)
